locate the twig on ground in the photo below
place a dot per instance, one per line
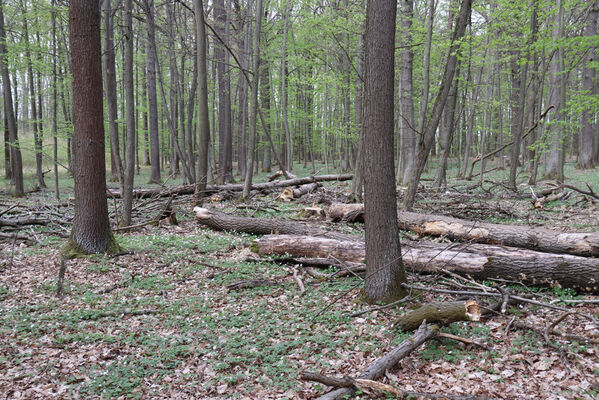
(400, 301)
(464, 340)
(298, 280)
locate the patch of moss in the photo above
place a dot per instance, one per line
(74, 250)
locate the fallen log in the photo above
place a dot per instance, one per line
(260, 226)
(478, 261)
(442, 312)
(534, 238)
(234, 187)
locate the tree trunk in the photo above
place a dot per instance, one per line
(249, 171)
(129, 115)
(384, 268)
(116, 165)
(446, 135)
(203, 122)
(152, 95)
(428, 135)
(358, 181)
(91, 229)
(37, 132)
(406, 116)
(15, 151)
(55, 100)
(477, 261)
(430, 17)
(585, 159)
(288, 145)
(556, 96)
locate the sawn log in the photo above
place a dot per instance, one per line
(478, 261)
(534, 238)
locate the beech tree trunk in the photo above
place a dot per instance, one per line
(475, 260)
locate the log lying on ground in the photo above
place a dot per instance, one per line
(260, 226)
(290, 193)
(263, 187)
(442, 312)
(378, 368)
(541, 239)
(478, 261)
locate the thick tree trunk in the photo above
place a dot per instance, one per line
(91, 228)
(540, 239)
(220, 221)
(475, 260)
(384, 268)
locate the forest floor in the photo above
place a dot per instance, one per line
(161, 321)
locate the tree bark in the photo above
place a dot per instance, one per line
(203, 122)
(475, 260)
(557, 97)
(535, 238)
(249, 170)
(152, 94)
(384, 268)
(37, 132)
(15, 151)
(129, 115)
(220, 221)
(440, 312)
(406, 117)
(428, 135)
(288, 145)
(91, 228)
(116, 164)
(585, 159)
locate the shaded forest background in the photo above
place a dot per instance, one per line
(515, 61)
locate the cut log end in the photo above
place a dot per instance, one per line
(202, 213)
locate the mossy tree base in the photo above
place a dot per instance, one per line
(74, 250)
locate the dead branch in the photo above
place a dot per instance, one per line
(441, 312)
(377, 368)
